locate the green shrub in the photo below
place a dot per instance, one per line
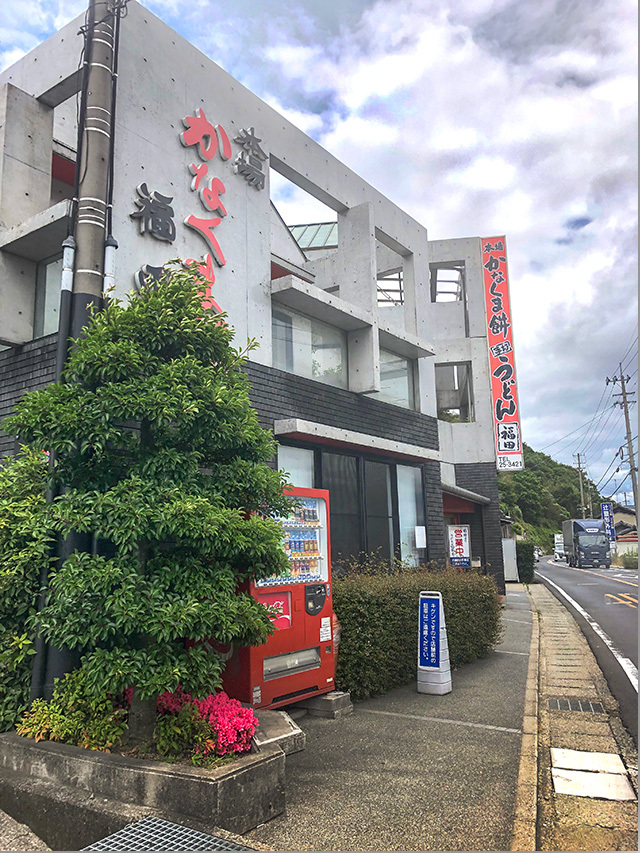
(526, 561)
(630, 559)
(379, 620)
(25, 548)
(181, 733)
(75, 716)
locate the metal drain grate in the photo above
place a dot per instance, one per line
(153, 833)
(585, 705)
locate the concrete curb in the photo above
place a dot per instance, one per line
(524, 825)
(72, 797)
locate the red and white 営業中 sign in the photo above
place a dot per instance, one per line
(504, 393)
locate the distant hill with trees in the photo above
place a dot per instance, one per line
(542, 496)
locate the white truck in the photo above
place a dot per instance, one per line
(558, 546)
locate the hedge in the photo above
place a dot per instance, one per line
(525, 559)
(379, 621)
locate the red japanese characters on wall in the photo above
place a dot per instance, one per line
(154, 211)
(208, 139)
(504, 393)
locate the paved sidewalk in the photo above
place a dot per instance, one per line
(578, 714)
(408, 771)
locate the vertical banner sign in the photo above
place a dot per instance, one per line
(606, 510)
(506, 414)
(429, 652)
(434, 666)
(460, 545)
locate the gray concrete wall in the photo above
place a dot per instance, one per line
(465, 442)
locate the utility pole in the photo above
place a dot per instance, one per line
(84, 260)
(583, 508)
(624, 405)
(93, 168)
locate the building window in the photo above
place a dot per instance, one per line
(454, 393)
(375, 507)
(379, 509)
(396, 380)
(410, 511)
(391, 288)
(447, 282)
(298, 463)
(340, 475)
(47, 302)
(309, 347)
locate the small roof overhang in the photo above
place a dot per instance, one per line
(349, 439)
(41, 236)
(468, 495)
(308, 299)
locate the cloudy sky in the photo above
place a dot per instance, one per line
(479, 117)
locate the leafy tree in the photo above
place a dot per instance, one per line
(25, 554)
(162, 463)
(542, 496)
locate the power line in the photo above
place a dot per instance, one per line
(630, 360)
(602, 427)
(577, 429)
(616, 425)
(613, 461)
(619, 486)
(613, 475)
(604, 391)
(633, 342)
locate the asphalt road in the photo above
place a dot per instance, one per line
(609, 599)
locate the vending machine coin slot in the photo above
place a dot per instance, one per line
(315, 596)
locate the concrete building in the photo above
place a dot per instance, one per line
(373, 368)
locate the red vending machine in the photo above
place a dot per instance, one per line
(297, 660)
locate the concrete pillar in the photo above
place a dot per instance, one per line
(417, 297)
(26, 139)
(357, 257)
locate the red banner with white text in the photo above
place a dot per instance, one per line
(504, 392)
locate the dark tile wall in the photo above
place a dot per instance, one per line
(277, 394)
(436, 540)
(482, 477)
(22, 369)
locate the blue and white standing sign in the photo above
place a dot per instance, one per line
(606, 509)
(434, 668)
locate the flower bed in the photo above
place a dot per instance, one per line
(205, 731)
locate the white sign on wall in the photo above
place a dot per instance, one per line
(459, 545)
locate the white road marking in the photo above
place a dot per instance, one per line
(628, 667)
(442, 720)
(505, 652)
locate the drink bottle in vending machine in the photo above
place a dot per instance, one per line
(297, 661)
